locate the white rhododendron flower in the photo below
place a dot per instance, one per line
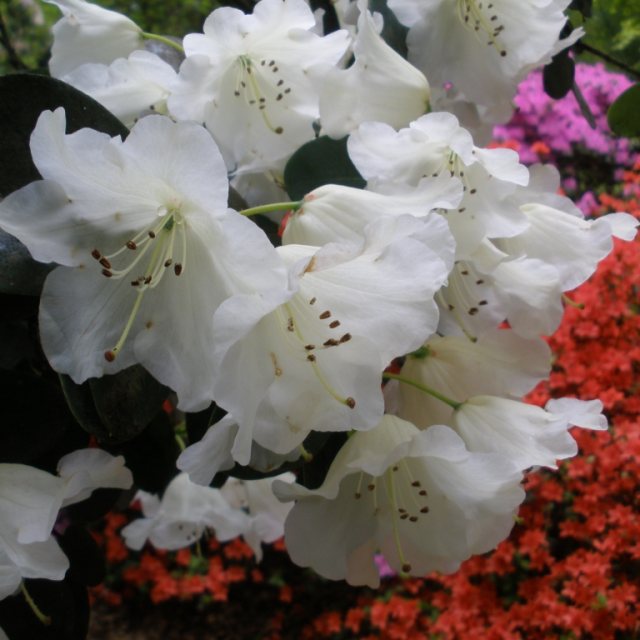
(187, 510)
(527, 435)
(142, 229)
(88, 33)
(483, 48)
(418, 497)
(266, 514)
(205, 458)
(29, 503)
(315, 362)
(499, 362)
(182, 516)
(336, 213)
(128, 87)
(380, 85)
(435, 145)
(247, 79)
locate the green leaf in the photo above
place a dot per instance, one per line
(115, 408)
(393, 33)
(624, 114)
(558, 75)
(321, 161)
(20, 274)
(23, 97)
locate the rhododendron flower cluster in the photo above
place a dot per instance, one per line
(385, 345)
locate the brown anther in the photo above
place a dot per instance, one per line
(406, 567)
(177, 268)
(334, 324)
(290, 325)
(404, 516)
(311, 357)
(151, 234)
(395, 468)
(480, 281)
(331, 342)
(473, 191)
(147, 280)
(464, 273)
(135, 283)
(482, 303)
(424, 510)
(351, 403)
(131, 245)
(279, 130)
(401, 510)
(168, 262)
(312, 301)
(96, 254)
(324, 315)
(371, 486)
(309, 347)
(422, 493)
(105, 263)
(415, 483)
(106, 273)
(109, 356)
(358, 495)
(413, 519)
(473, 311)
(345, 338)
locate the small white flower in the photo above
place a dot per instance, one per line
(418, 497)
(128, 87)
(527, 435)
(88, 33)
(30, 500)
(182, 516)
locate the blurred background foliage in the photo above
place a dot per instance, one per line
(614, 26)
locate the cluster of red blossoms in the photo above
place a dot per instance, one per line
(570, 570)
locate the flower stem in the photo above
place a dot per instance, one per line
(270, 208)
(423, 387)
(168, 41)
(46, 620)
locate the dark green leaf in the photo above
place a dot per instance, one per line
(23, 97)
(19, 272)
(393, 33)
(321, 161)
(152, 455)
(624, 113)
(558, 75)
(115, 408)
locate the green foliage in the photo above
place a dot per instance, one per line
(321, 161)
(624, 113)
(615, 29)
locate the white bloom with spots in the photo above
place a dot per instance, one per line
(483, 47)
(315, 362)
(247, 79)
(418, 497)
(128, 87)
(436, 145)
(148, 246)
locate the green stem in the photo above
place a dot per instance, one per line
(46, 620)
(270, 208)
(423, 387)
(168, 41)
